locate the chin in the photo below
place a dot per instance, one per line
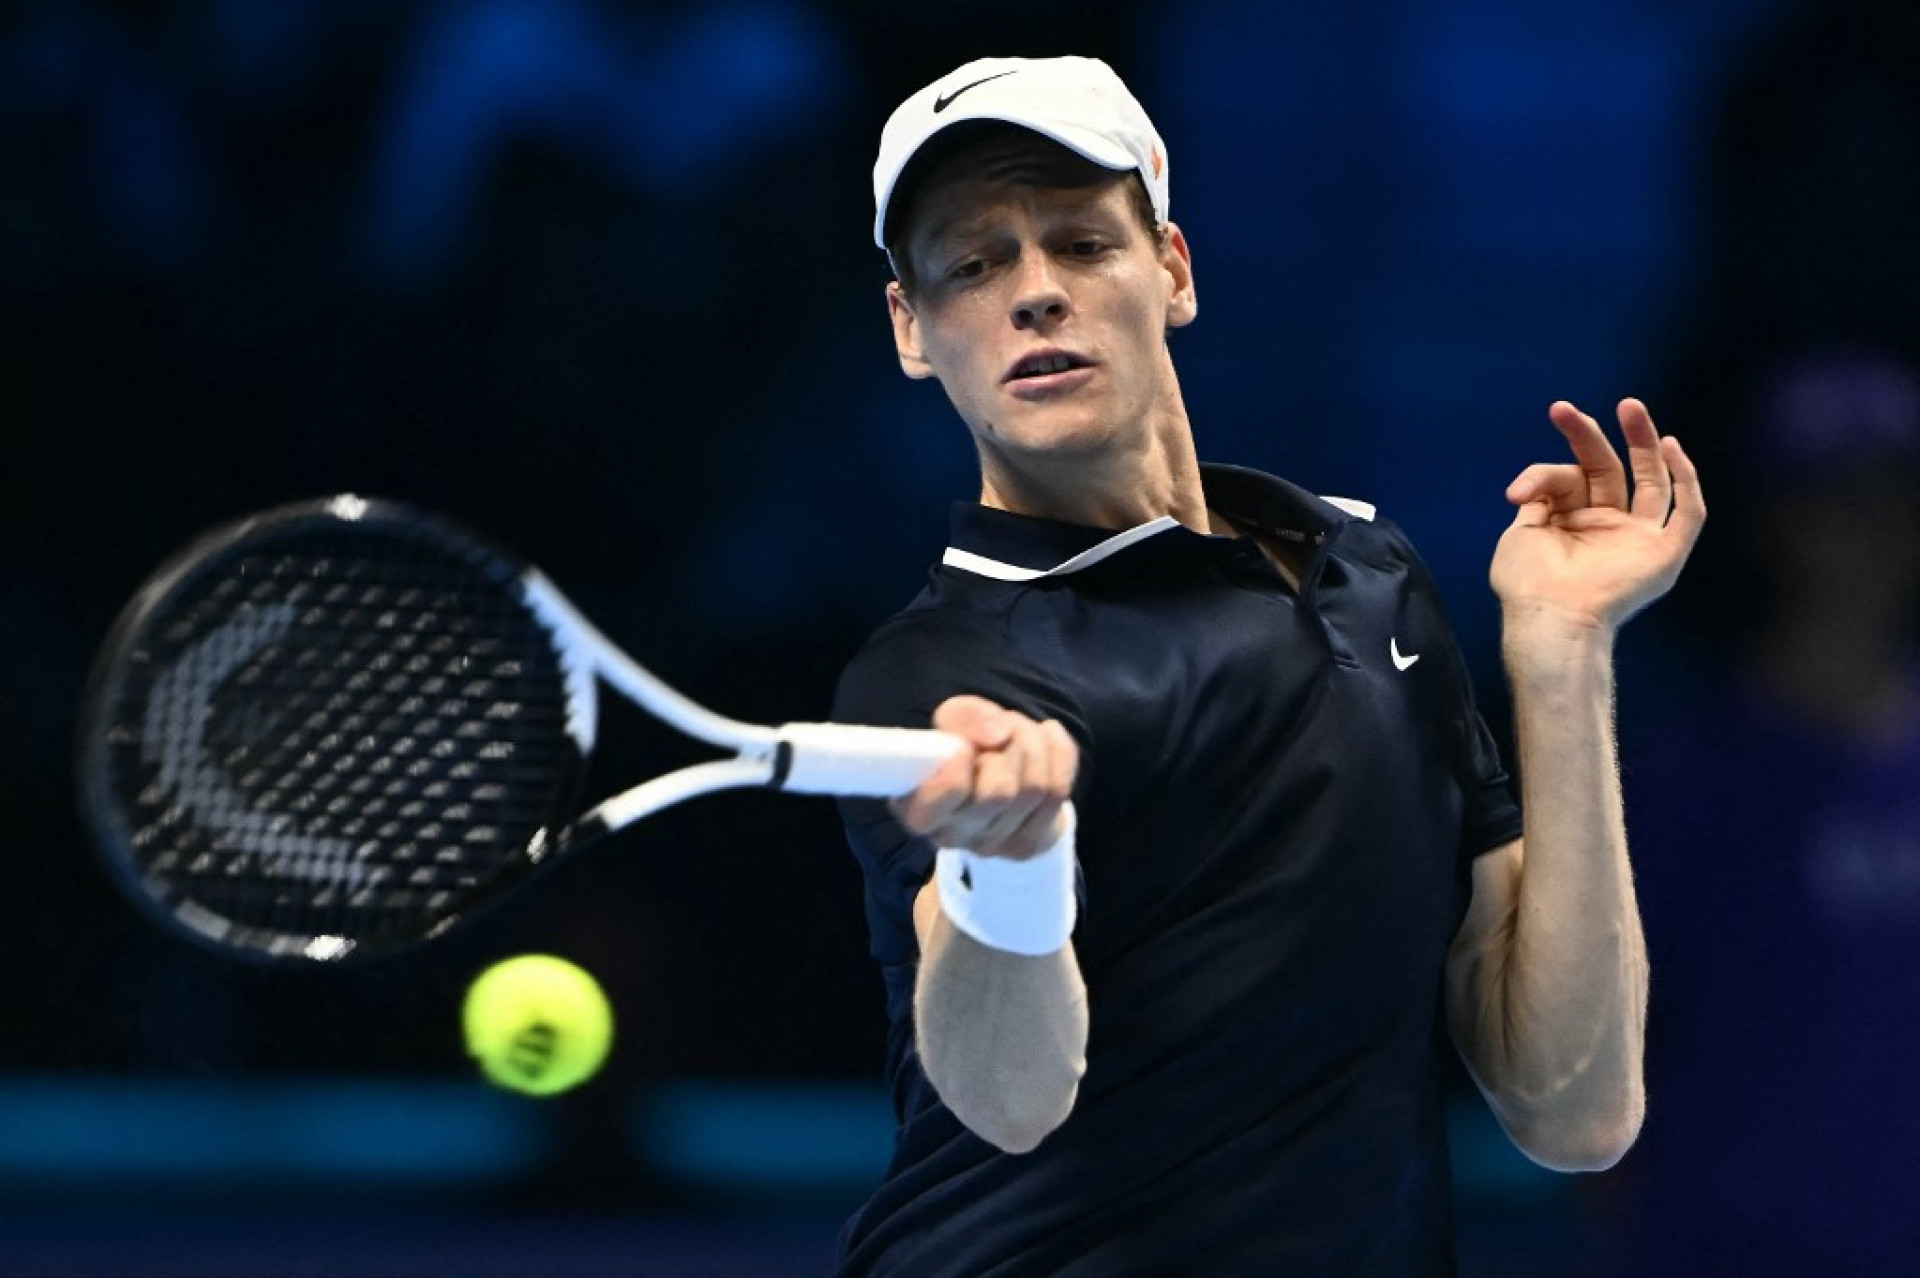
(1078, 436)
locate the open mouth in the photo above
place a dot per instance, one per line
(1045, 364)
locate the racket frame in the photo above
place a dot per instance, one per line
(807, 758)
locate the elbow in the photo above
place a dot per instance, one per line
(1014, 1122)
(1591, 1142)
(1011, 1104)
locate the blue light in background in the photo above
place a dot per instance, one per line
(787, 1141)
(128, 1133)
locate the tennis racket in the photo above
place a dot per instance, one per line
(335, 729)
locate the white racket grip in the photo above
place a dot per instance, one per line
(848, 759)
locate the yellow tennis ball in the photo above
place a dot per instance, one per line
(537, 1024)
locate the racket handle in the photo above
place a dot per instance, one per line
(847, 759)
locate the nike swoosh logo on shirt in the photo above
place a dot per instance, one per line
(1400, 661)
(945, 100)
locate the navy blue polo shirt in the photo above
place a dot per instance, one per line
(1280, 797)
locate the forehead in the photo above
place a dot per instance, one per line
(974, 168)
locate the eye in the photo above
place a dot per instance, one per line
(968, 263)
(1086, 247)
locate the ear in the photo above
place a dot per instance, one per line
(1177, 260)
(906, 332)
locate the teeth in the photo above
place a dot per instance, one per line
(1051, 364)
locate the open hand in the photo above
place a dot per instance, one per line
(1589, 542)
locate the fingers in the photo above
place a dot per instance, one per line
(1597, 460)
(1689, 500)
(1652, 483)
(1554, 488)
(1596, 477)
(979, 721)
(1002, 797)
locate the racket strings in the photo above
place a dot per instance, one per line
(340, 742)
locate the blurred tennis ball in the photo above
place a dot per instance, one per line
(537, 1024)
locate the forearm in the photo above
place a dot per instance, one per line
(1001, 1036)
(1562, 1035)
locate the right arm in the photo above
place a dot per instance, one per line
(1002, 1036)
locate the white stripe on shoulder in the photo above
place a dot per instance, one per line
(1358, 509)
(981, 566)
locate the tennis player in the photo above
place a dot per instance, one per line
(1176, 953)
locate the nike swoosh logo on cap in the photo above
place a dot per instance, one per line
(945, 100)
(1401, 660)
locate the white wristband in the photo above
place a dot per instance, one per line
(1023, 907)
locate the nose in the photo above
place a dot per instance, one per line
(1039, 297)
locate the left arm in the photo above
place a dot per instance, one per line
(1547, 978)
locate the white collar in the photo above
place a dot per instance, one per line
(980, 565)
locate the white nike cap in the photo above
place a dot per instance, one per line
(1078, 102)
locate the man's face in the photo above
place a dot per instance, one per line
(1041, 303)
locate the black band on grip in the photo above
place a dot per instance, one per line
(782, 764)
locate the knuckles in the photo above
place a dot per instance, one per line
(1002, 796)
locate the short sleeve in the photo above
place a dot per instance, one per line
(1492, 817)
(898, 679)
(1491, 811)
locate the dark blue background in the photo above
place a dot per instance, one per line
(596, 277)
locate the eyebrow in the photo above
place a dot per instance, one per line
(963, 222)
(937, 227)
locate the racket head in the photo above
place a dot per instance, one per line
(331, 730)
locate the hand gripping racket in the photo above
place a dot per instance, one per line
(335, 728)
